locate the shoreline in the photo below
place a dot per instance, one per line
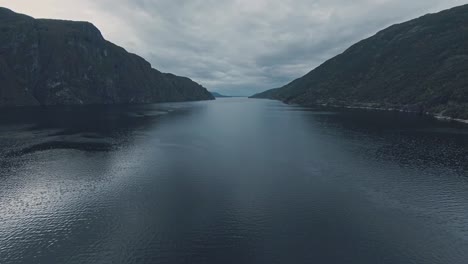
(436, 116)
(370, 108)
(448, 118)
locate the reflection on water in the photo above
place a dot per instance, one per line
(231, 181)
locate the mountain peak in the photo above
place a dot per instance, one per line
(414, 66)
(7, 14)
(50, 62)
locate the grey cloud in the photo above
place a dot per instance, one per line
(237, 47)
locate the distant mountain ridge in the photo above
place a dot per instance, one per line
(55, 62)
(218, 95)
(420, 66)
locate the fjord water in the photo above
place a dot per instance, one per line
(231, 181)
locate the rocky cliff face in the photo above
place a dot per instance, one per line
(52, 62)
(420, 65)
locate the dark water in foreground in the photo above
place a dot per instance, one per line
(232, 181)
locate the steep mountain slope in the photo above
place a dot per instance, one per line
(420, 65)
(53, 62)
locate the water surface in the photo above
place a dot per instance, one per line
(231, 181)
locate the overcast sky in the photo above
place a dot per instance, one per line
(235, 47)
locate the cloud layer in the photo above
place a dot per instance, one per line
(236, 47)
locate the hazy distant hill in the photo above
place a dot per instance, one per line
(218, 95)
(420, 65)
(49, 62)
